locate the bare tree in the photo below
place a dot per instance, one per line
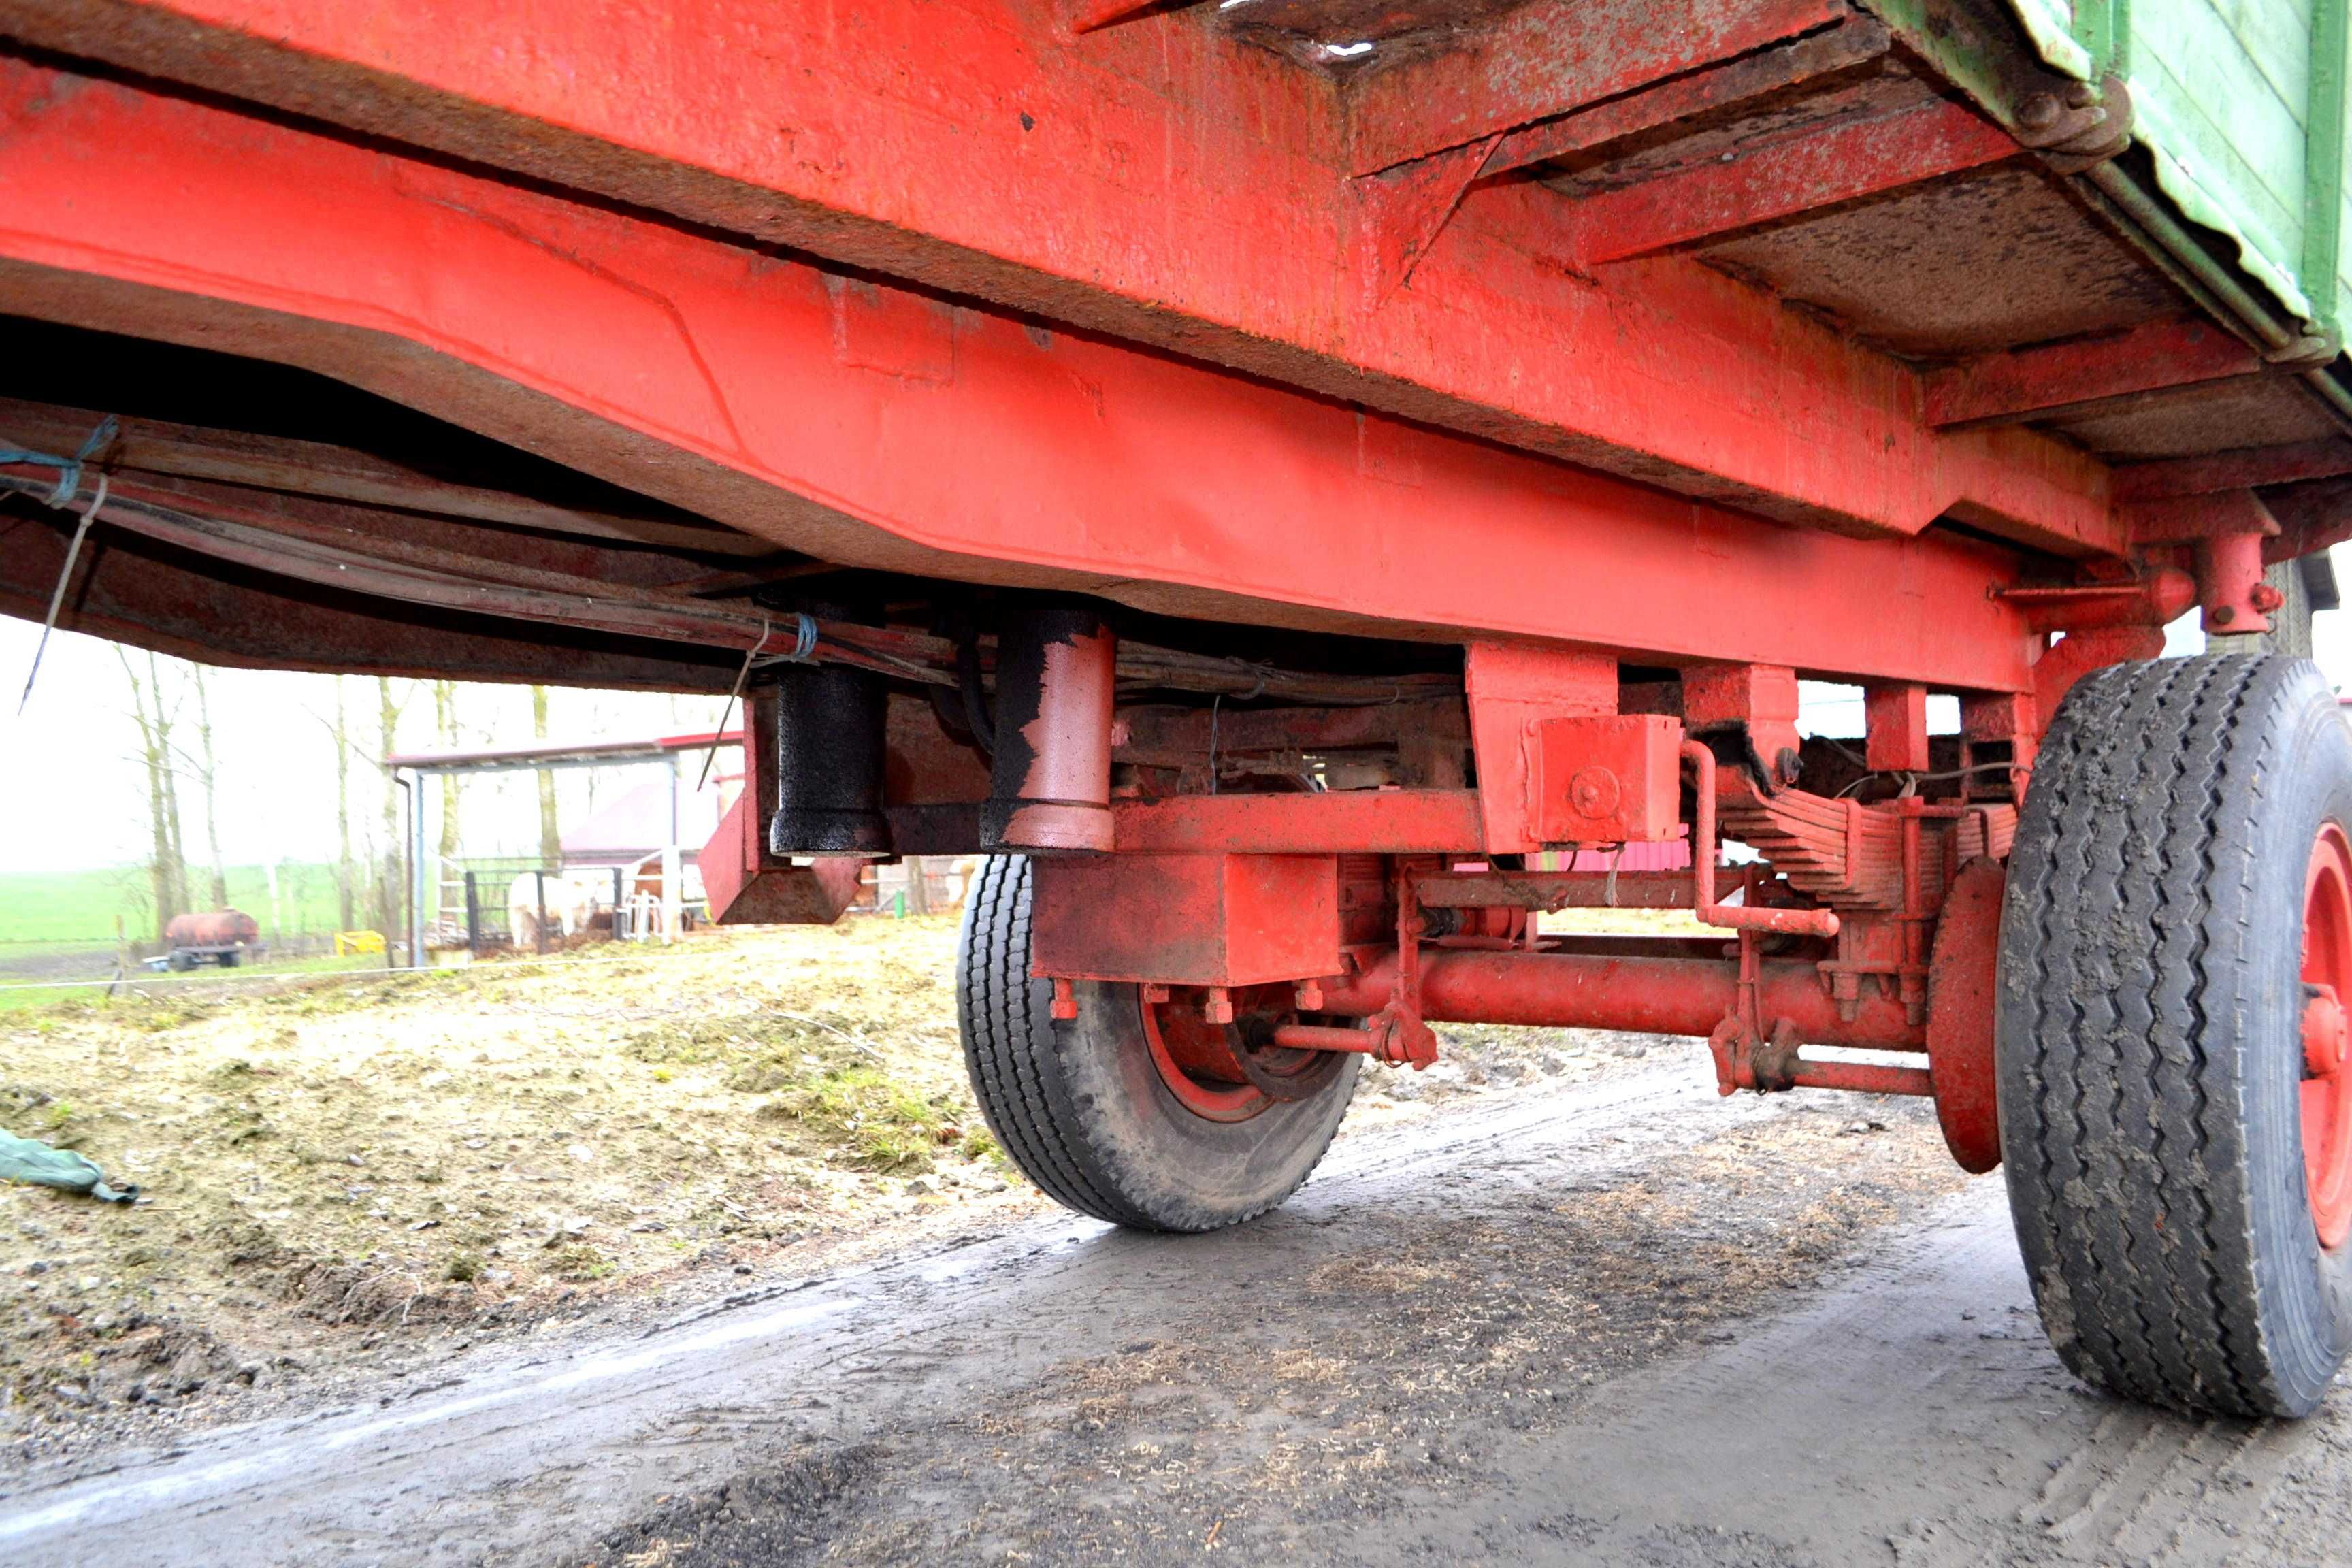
(346, 871)
(551, 829)
(388, 877)
(444, 724)
(207, 776)
(164, 719)
(166, 879)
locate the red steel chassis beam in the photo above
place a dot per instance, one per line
(1169, 184)
(1638, 996)
(884, 428)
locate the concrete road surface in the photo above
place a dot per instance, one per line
(1547, 1327)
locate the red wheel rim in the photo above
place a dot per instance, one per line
(1218, 1070)
(1198, 1092)
(2327, 1089)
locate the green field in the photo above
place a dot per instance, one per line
(73, 909)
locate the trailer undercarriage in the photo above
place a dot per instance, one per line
(1270, 490)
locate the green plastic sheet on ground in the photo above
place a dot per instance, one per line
(28, 1160)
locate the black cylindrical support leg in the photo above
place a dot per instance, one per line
(829, 758)
(1056, 668)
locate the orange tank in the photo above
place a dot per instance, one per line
(215, 928)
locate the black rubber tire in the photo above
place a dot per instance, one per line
(2149, 1041)
(1082, 1110)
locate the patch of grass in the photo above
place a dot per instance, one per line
(740, 1038)
(462, 1091)
(75, 909)
(982, 1145)
(883, 1124)
(580, 1263)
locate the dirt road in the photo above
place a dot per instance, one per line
(1615, 1323)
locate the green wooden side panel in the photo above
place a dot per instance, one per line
(2242, 104)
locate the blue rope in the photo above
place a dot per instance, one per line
(68, 468)
(804, 644)
(804, 639)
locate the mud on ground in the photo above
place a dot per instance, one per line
(1455, 1326)
(346, 1177)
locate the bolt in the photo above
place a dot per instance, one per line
(2038, 112)
(1594, 792)
(2264, 598)
(2224, 613)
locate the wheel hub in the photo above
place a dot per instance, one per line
(1230, 1071)
(2327, 1089)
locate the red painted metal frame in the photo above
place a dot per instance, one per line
(1610, 779)
(881, 427)
(2041, 381)
(1895, 727)
(1513, 688)
(1858, 38)
(1639, 996)
(1205, 185)
(1426, 350)
(1550, 57)
(2322, 459)
(1804, 171)
(1185, 920)
(1370, 822)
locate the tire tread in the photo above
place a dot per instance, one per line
(2124, 1176)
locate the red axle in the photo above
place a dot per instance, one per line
(1637, 996)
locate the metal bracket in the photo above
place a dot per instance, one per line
(1401, 1035)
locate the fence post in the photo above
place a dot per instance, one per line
(473, 918)
(538, 939)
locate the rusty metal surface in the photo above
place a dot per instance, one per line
(1728, 85)
(1962, 986)
(1544, 58)
(1990, 262)
(1235, 499)
(1186, 919)
(1382, 822)
(1651, 995)
(2259, 411)
(1557, 889)
(1702, 196)
(1181, 265)
(2050, 381)
(1610, 780)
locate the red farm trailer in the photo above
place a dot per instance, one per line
(1266, 470)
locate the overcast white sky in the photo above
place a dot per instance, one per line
(72, 794)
